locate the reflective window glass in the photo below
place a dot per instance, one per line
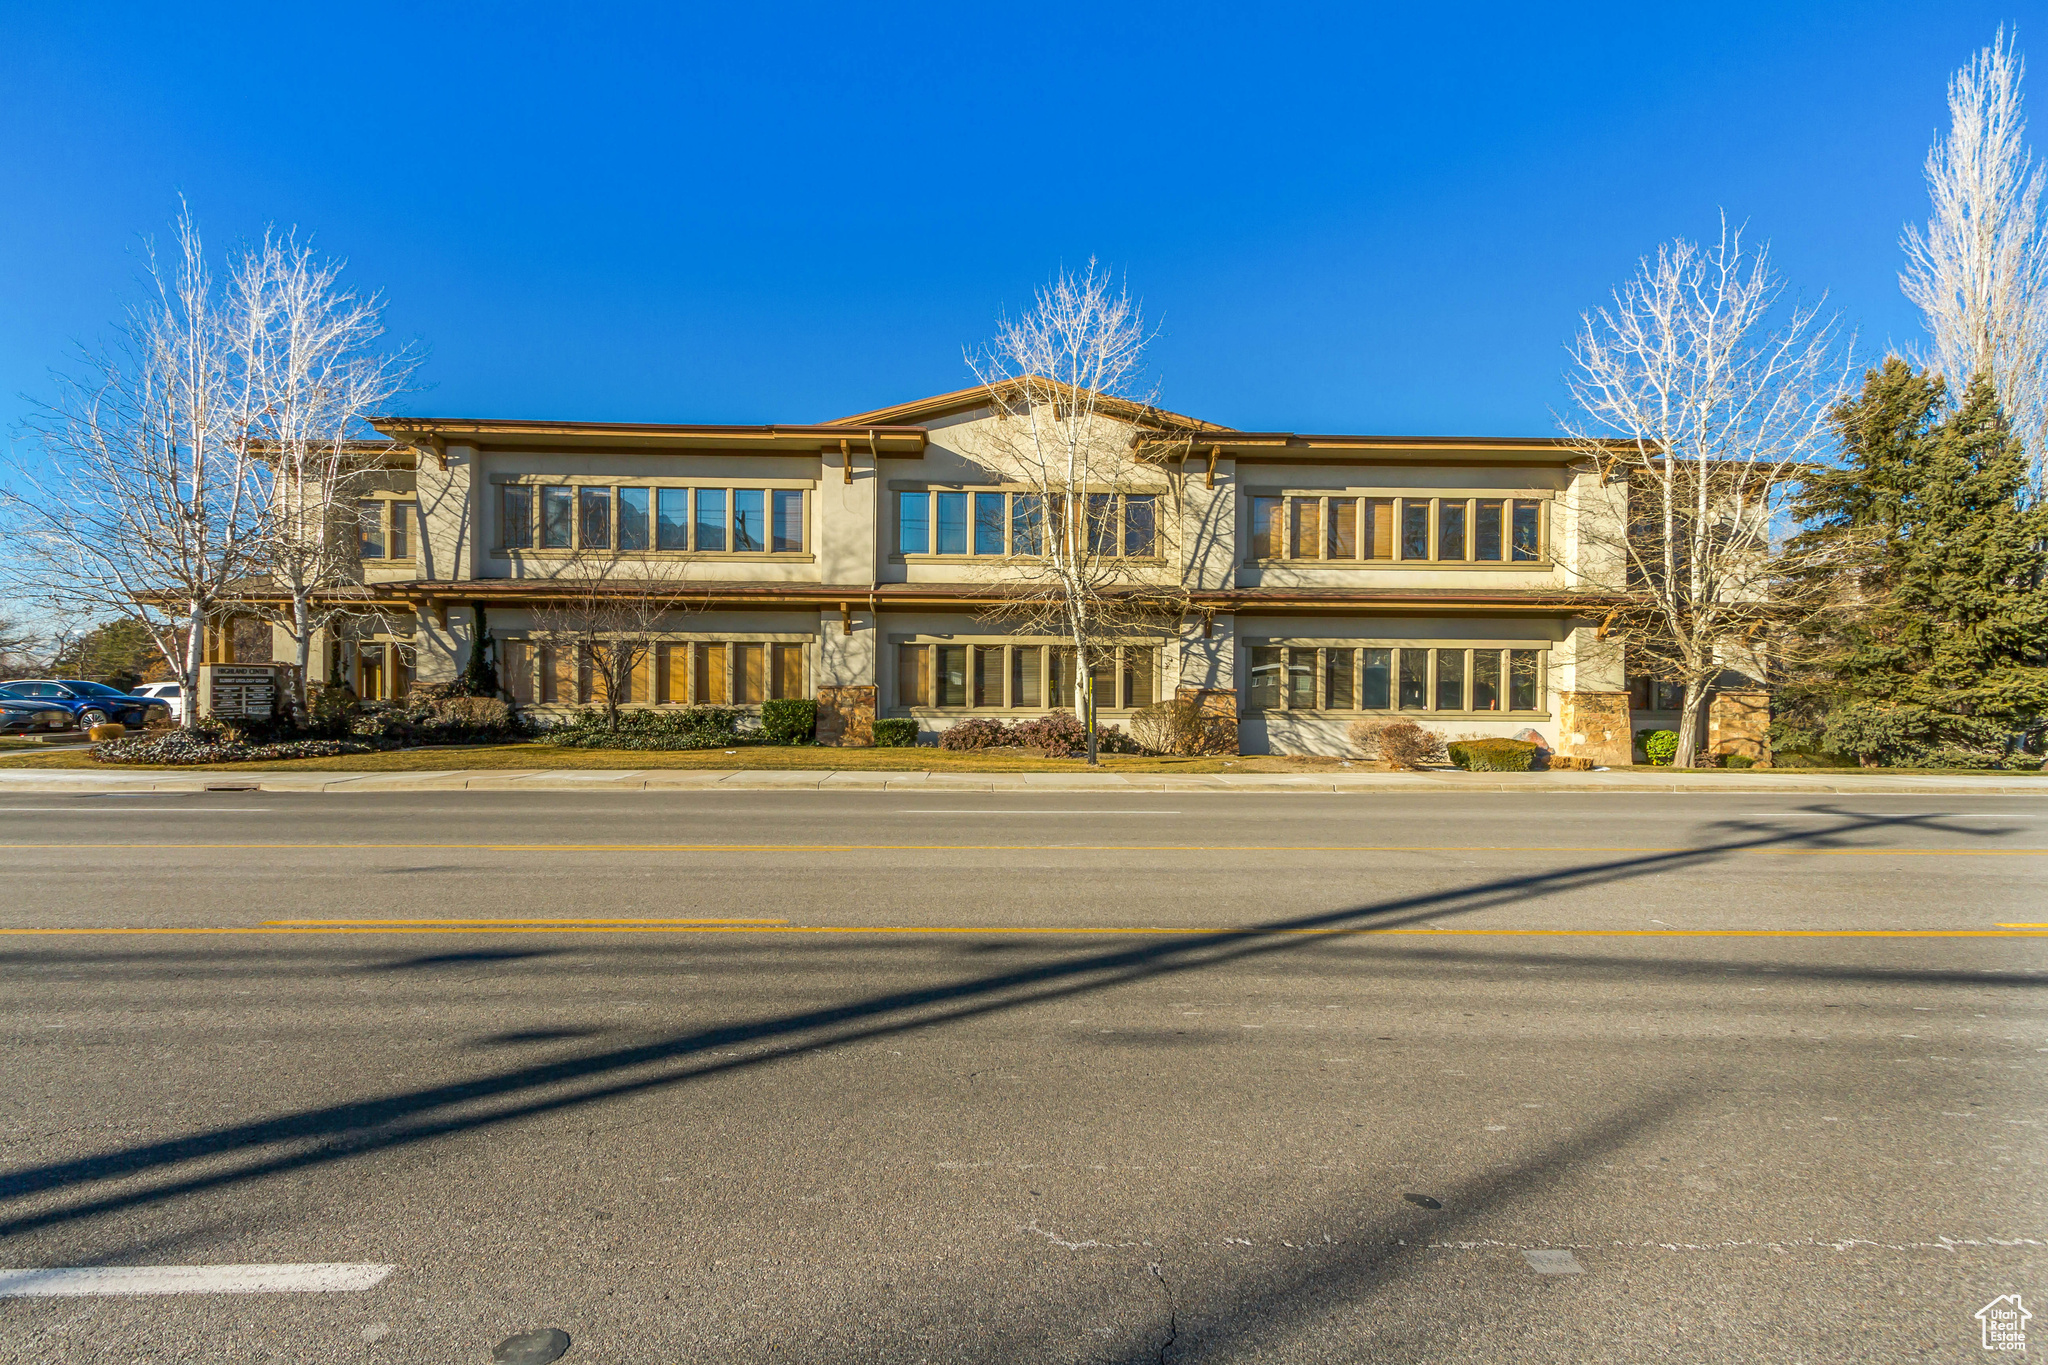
(594, 517)
(952, 525)
(988, 523)
(913, 523)
(557, 518)
(749, 521)
(711, 519)
(789, 521)
(672, 519)
(633, 509)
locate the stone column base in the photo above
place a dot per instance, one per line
(846, 716)
(1594, 726)
(1740, 723)
(1217, 702)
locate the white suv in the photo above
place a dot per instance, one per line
(168, 694)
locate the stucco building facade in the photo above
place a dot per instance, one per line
(1326, 577)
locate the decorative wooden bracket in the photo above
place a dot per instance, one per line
(846, 618)
(846, 460)
(1214, 451)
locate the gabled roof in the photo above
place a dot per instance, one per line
(961, 400)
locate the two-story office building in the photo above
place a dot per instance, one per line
(1326, 577)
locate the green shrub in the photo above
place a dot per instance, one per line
(1738, 761)
(1659, 746)
(694, 727)
(788, 720)
(1493, 755)
(897, 732)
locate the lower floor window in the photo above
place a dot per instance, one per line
(689, 673)
(1021, 677)
(1393, 678)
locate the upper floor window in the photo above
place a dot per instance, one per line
(990, 525)
(636, 518)
(1435, 530)
(385, 528)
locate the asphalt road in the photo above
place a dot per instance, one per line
(1028, 1078)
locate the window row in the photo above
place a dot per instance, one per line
(704, 520)
(698, 673)
(1021, 677)
(933, 522)
(1393, 678)
(385, 528)
(1433, 530)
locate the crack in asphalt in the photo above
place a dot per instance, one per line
(1172, 1313)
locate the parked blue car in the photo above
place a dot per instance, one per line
(89, 703)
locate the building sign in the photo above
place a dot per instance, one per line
(233, 691)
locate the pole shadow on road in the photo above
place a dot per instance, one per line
(320, 1136)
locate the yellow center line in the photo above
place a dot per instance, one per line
(453, 923)
(1078, 848)
(1055, 931)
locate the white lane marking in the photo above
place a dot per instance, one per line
(1038, 812)
(109, 810)
(73, 1282)
(1550, 1262)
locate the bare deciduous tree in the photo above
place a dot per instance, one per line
(148, 502)
(605, 614)
(1979, 270)
(316, 374)
(1062, 383)
(1701, 401)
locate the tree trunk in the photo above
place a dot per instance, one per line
(1088, 715)
(1689, 724)
(188, 682)
(302, 648)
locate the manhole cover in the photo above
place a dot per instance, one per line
(537, 1347)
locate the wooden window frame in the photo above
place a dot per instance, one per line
(1288, 532)
(1432, 648)
(1118, 530)
(579, 484)
(385, 503)
(1011, 649)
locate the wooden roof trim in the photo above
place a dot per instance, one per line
(937, 405)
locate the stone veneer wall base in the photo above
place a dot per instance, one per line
(846, 716)
(1595, 726)
(1740, 723)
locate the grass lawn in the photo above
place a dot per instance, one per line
(15, 754)
(523, 756)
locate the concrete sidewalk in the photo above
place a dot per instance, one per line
(1808, 782)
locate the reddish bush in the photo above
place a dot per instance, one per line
(981, 732)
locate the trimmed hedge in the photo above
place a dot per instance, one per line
(788, 720)
(897, 732)
(695, 727)
(1493, 755)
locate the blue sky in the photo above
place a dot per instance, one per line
(1346, 218)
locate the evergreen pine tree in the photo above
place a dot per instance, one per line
(1945, 658)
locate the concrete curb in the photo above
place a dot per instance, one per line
(93, 782)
